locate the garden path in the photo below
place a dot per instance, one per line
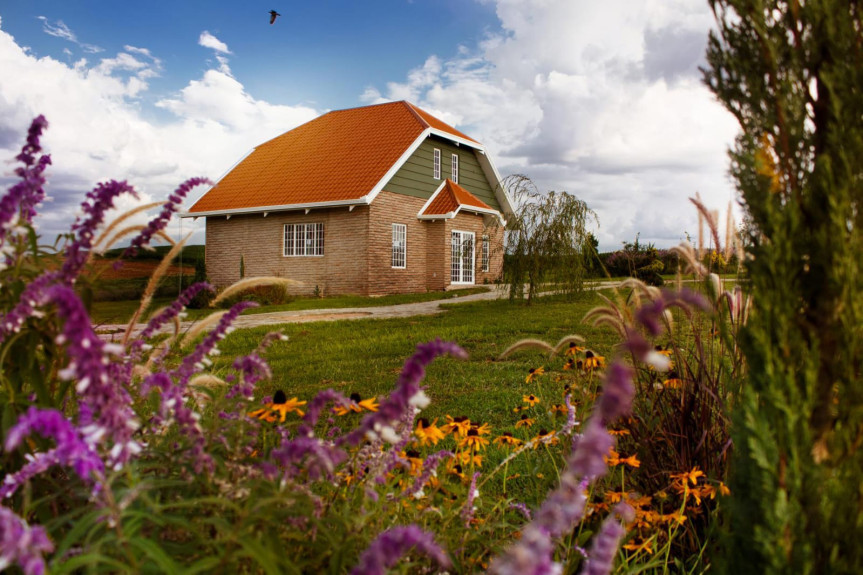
(113, 332)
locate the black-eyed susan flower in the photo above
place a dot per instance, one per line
(484, 429)
(531, 399)
(593, 361)
(546, 437)
(570, 364)
(631, 461)
(636, 546)
(673, 381)
(689, 476)
(456, 425)
(370, 404)
(525, 421)
(414, 459)
(428, 433)
(559, 408)
(506, 438)
(354, 406)
(573, 348)
(534, 372)
(473, 440)
(520, 408)
(618, 432)
(278, 408)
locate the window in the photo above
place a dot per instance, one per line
(455, 168)
(485, 247)
(304, 239)
(461, 266)
(436, 164)
(400, 236)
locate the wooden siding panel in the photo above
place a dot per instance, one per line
(415, 177)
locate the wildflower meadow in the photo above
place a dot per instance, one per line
(714, 426)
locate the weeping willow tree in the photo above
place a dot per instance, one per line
(791, 72)
(546, 241)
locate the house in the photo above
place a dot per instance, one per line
(371, 201)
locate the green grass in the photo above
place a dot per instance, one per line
(103, 312)
(365, 356)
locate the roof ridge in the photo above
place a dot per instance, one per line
(416, 114)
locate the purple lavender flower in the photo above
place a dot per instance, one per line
(531, 556)
(522, 508)
(104, 405)
(617, 392)
(570, 415)
(253, 368)
(605, 544)
(158, 223)
(72, 449)
(318, 458)
(388, 548)
(22, 544)
(95, 206)
(167, 314)
(429, 467)
(408, 387)
(468, 509)
(34, 295)
(588, 459)
(173, 386)
(316, 406)
(18, 205)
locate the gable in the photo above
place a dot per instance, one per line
(415, 177)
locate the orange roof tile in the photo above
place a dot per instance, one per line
(340, 156)
(451, 197)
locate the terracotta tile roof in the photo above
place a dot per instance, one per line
(435, 123)
(451, 197)
(340, 156)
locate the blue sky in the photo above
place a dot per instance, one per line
(600, 99)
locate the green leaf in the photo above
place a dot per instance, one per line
(156, 554)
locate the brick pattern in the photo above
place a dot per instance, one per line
(341, 269)
(357, 249)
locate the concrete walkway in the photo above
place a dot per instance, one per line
(112, 331)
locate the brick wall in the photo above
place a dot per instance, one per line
(388, 209)
(357, 249)
(259, 240)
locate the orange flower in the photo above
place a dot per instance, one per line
(525, 421)
(279, 407)
(631, 461)
(507, 439)
(547, 437)
(428, 433)
(646, 546)
(593, 361)
(457, 425)
(534, 372)
(531, 399)
(473, 440)
(691, 476)
(573, 349)
(723, 489)
(618, 432)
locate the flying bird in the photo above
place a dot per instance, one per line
(273, 16)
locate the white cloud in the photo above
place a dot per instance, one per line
(60, 30)
(207, 40)
(99, 128)
(603, 99)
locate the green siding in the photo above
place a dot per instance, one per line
(415, 178)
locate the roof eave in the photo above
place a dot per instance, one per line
(283, 208)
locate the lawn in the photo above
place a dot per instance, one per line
(365, 356)
(103, 312)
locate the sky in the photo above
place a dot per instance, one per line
(600, 99)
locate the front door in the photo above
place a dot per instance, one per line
(462, 258)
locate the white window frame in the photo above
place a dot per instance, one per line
(455, 168)
(485, 253)
(436, 169)
(399, 258)
(461, 263)
(303, 240)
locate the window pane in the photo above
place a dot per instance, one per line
(437, 164)
(455, 266)
(455, 168)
